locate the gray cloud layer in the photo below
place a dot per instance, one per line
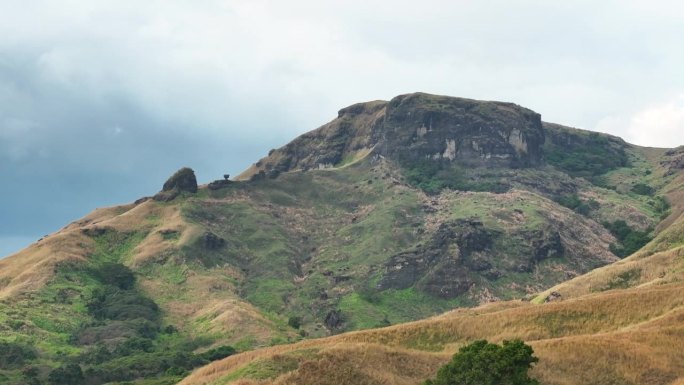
(101, 101)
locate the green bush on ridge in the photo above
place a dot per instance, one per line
(484, 363)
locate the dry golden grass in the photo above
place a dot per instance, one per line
(32, 267)
(205, 302)
(633, 336)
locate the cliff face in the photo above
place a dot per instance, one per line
(473, 133)
(416, 127)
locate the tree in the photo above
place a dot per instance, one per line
(69, 374)
(483, 363)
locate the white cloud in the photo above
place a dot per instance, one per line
(660, 125)
(214, 65)
(214, 83)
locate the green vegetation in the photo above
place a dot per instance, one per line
(264, 369)
(13, 355)
(661, 206)
(483, 363)
(630, 240)
(573, 202)
(70, 374)
(585, 154)
(624, 280)
(433, 176)
(92, 325)
(643, 189)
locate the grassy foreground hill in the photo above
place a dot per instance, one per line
(393, 212)
(628, 336)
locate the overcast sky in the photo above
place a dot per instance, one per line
(100, 101)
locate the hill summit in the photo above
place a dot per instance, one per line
(392, 212)
(415, 127)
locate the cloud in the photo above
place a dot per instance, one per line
(660, 125)
(102, 100)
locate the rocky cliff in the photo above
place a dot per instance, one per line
(417, 127)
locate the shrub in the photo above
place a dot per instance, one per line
(112, 303)
(643, 189)
(630, 240)
(573, 202)
(70, 374)
(661, 206)
(294, 322)
(14, 355)
(586, 155)
(570, 201)
(134, 345)
(483, 363)
(218, 353)
(115, 274)
(432, 176)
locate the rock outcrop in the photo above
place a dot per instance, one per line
(183, 180)
(417, 127)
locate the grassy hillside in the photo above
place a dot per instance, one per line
(630, 336)
(146, 292)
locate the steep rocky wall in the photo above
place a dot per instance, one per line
(415, 127)
(474, 133)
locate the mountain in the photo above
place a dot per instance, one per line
(618, 324)
(392, 212)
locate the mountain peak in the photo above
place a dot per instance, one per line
(416, 127)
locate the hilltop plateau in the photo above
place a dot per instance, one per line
(394, 211)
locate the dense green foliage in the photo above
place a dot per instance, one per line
(573, 202)
(591, 156)
(123, 338)
(661, 206)
(218, 353)
(70, 374)
(630, 240)
(483, 363)
(432, 176)
(643, 189)
(132, 321)
(13, 355)
(294, 322)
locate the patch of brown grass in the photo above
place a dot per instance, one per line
(633, 336)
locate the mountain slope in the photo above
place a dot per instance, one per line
(631, 336)
(392, 212)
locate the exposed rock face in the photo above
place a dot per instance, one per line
(674, 160)
(463, 253)
(183, 180)
(475, 133)
(416, 127)
(445, 261)
(212, 241)
(333, 320)
(554, 296)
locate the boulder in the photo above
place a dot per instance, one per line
(183, 180)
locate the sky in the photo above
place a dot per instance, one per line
(101, 101)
